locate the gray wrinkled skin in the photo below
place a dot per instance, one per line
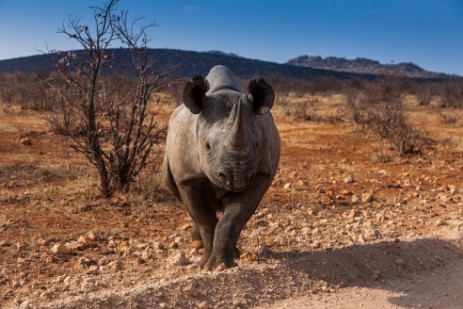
(222, 154)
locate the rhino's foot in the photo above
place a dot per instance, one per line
(217, 266)
(220, 263)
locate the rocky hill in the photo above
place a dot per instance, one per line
(363, 66)
(191, 63)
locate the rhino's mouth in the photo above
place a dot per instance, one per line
(234, 182)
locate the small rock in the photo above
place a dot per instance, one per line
(112, 244)
(103, 261)
(349, 179)
(94, 235)
(46, 295)
(74, 245)
(92, 271)
(25, 141)
(287, 186)
(88, 284)
(367, 197)
(440, 222)
(191, 290)
(203, 305)
(146, 255)
(85, 262)
(293, 175)
(116, 265)
(179, 259)
(67, 280)
(400, 262)
(354, 198)
(451, 188)
(158, 246)
(59, 249)
(5, 243)
(345, 192)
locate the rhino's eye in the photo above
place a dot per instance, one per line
(208, 146)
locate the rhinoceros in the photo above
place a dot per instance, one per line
(221, 154)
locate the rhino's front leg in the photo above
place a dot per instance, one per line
(238, 208)
(205, 219)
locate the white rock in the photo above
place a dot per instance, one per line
(179, 259)
(349, 179)
(59, 249)
(116, 265)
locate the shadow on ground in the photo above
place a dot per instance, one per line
(280, 276)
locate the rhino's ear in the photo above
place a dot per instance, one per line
(194, 93)
(262, 95)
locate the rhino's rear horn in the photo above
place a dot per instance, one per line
(194, 93)
(262, 95)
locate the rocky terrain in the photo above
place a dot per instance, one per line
(363, 66)
(347, 223)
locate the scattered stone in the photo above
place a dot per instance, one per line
(5, 243)
(345, 192)
(440, 222)
(354, 199)
(59, 249)
(116, 265)
(94, 235)
(85, 262)
(287, 186)
(103, 261)
(179, 259)
(191, 290)
(92, 271)
(367, 197)
(203, 305)
(25, 141)
(46, 295)
(88, 284)
(146, 255)
(74, 245)
(349, 179)
(451, 188)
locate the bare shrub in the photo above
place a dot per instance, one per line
(378, 107)
(305, 110)
(447, 118)
(29, 91)
(451, 94)
(116, 133)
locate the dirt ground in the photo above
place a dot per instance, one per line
(347, 223)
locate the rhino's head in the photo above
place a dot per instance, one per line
(228, 138)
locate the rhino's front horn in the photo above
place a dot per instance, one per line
(237, 140)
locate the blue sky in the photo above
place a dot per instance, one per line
(426, 32)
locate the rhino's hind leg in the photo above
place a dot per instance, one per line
(196, 241)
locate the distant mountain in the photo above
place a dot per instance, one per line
(364, 66)
(190, 63)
